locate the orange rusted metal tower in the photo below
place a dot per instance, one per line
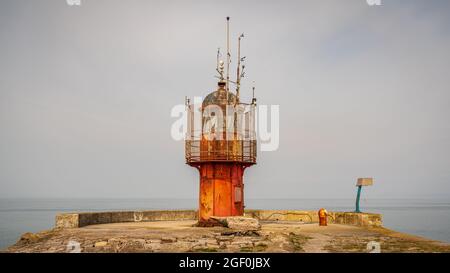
(221, 143)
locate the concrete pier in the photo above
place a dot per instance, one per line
(76, 220)
(176, 231)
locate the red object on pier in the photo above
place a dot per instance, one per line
(323, 217)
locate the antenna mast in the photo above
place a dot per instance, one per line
(228, 56)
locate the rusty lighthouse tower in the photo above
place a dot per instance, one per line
(221, 142)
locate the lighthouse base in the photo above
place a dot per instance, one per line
(221, 191)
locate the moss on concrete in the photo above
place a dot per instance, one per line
(298, 241)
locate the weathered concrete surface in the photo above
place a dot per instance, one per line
(358, 219)
(67, 220)
(239, 223)
(74, 220)
(307, 216)
(258, 230)
(183, 236)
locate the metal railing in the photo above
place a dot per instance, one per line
(211, 138)
(220, 150)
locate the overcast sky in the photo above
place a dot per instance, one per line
(86, 93)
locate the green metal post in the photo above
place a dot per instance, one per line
(357, 199)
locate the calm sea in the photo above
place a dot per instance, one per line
(424, 217)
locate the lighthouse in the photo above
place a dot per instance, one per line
(221, 141)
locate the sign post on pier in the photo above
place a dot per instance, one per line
(360, 183)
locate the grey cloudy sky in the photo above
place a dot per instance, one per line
(86, 94)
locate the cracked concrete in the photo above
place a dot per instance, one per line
(183, 236)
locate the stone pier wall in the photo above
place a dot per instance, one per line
(307, 216)
(76, 220)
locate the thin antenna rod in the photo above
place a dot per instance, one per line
(253, 95)
(228, 56)
(228, 80)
